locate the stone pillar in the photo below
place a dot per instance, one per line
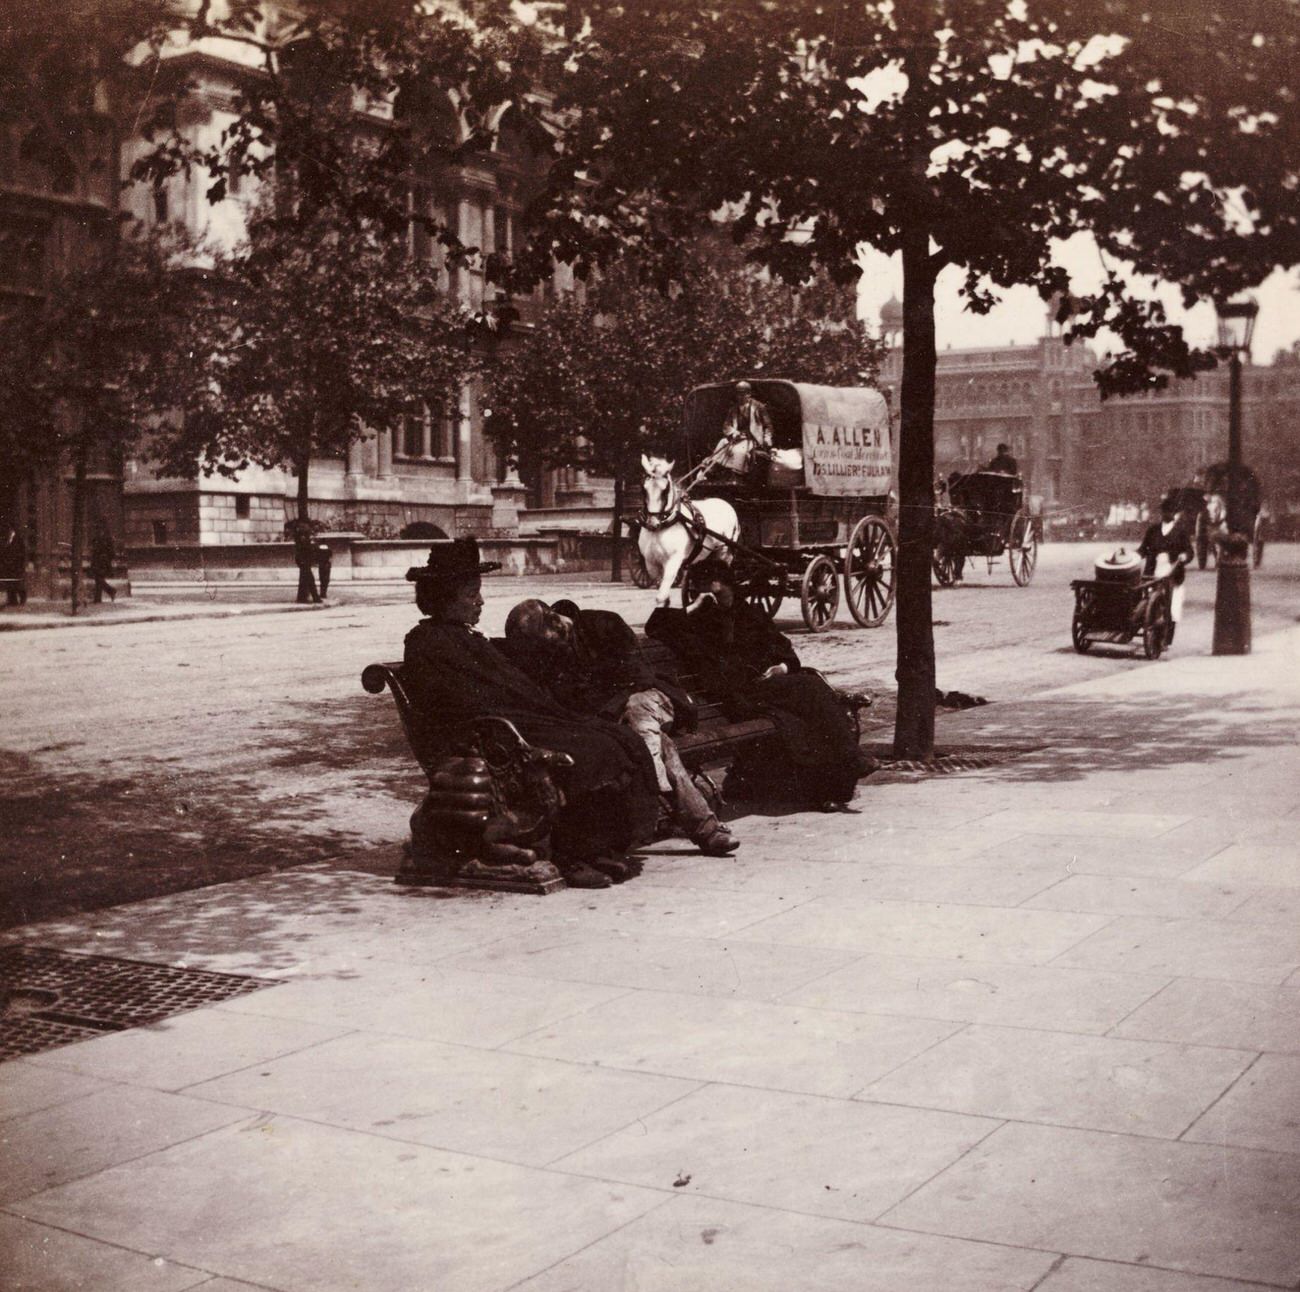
(384, 444)
(465, 436)
(426, 432)
(356, 459)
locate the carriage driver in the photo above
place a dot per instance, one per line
(747, 436)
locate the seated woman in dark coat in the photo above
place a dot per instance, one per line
(738, 655)
(456, 674)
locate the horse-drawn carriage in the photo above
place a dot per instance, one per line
(802, 517)
(984, 515)
(1205, 512)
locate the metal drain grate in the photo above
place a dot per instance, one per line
(964, 759)
(50, 997)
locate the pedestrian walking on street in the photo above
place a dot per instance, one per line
(324, 561)
(13, 565)
(1167, 549)
(304, 557)
(103, 552)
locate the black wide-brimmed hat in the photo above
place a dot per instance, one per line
(451, 560)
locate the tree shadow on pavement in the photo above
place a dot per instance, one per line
(1078, 736)
(75, 842)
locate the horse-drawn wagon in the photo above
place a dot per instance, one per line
(802, 516)
(984, 515)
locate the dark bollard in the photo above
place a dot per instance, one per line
(1232, 597)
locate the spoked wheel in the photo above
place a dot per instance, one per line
(819, 595)
(1022, 548)
(1155, 626)
(637, 572)
(1079, 634)
(869, 571)
(944, 565)
(765, 593)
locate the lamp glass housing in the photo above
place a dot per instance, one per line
(1237, 324)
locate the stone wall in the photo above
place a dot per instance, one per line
(356, 559)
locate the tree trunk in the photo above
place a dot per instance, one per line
(300, 468)
(78, 523)
(616, 550)
(914, 721)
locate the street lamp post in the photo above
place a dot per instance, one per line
(1232, 590)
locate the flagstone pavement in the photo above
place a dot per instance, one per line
(1035, 1026)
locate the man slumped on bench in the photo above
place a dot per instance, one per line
(588, 661)
(738, 655)
(611, 791)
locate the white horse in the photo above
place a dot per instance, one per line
(675, 530)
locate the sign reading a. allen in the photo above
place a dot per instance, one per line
(847, 459)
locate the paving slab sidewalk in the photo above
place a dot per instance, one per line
(1031, 1026)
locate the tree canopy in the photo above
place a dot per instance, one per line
(603, 375)
(302, 339)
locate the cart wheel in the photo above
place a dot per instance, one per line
(1079, 634)
(869, 571)
(765, 594)
(637, 572)
(1202, 542)
(1155, 625)
(820, 594)
(944, 565)
(1022, 549)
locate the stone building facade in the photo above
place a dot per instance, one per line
(58, 199)
(1080, 453)
(432, 469)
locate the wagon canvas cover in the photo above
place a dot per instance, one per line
(846, 449)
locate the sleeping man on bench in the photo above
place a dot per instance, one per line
(588, 661)
(741, 658)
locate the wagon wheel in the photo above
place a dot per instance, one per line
(869, 571)
(1022, 548)
(1079, 634)
(1202, 541)
(820, 594)
(944, 564)
(639, 575)
(765, 593)
(1155, 624)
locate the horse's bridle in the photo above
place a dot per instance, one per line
(668, 515)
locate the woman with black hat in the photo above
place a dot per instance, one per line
(611, 791)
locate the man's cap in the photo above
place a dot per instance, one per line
(743, 385)
(450, 560)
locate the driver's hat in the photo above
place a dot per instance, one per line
(743, 385)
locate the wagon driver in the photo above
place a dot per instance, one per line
(747, 436)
